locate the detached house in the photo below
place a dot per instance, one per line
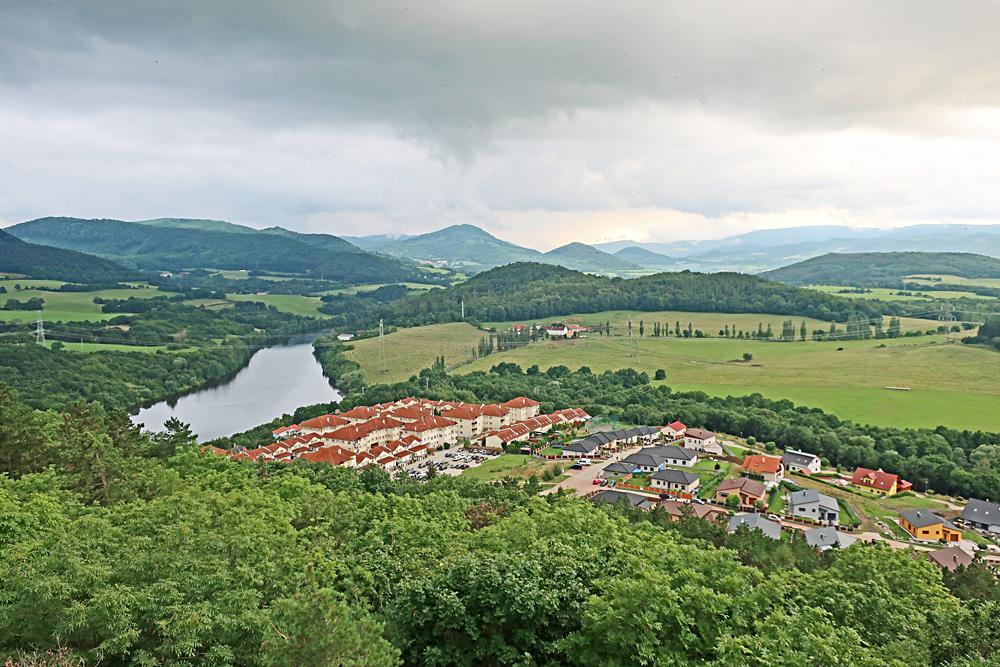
(827, 538)
(701, 440)
(749, 491)
(925, 525)
(757, 522)
(674, 431)
(800, 462)
(982, 515)
(612, 497)
(767, 468)
(811, 504)
(877, 480)
(675, 481)
(951, 558)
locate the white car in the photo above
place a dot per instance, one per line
(584, 462)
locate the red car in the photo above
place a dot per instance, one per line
(597, 481)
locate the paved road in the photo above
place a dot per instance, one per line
(581, 482)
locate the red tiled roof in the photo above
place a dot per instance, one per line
(463, 412)
(324, 421)
(520, 402)
(677, 426)
(494, 410)
(876, 479)
(333, 455)
(428, 423)
(761, 464)
(360, 412)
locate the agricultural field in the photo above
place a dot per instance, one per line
(709, 323)
(885, 294)
(949, 383)
(288, 303)
(357, 289)
(930, 279)
(106, 347)
(408, 351)
(66, 306)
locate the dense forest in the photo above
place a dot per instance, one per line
(156, 247)
(200, 346)
(988, 334)
(528, 291)
(118, 547)
(46, 263)
(883, 269)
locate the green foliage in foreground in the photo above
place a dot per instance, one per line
(120, 548)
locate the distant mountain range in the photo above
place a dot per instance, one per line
(883, 269)
(175, 243)
(752, 252)
(47, 263)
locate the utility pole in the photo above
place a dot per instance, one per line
(39, 331)
(381, 346)
(463, 309)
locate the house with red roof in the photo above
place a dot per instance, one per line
(674, 431)
(322, 423)
(494, 417)
(521, 407)
(468, 420)
(770, 469)
(433, 431)
(283, 432)
(879, 480)
(360, 414)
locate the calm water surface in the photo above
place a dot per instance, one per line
(277, 380)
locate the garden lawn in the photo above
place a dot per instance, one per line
(509, 465)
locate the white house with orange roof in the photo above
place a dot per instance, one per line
(283, 432)
(494, 417)
(521, 408)
(675, 430)
(322, 423)
(468, 420)
(359, 414)
(433, 431)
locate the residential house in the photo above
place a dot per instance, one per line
(433, 431)
(926, 525)
(749, 491)
(494, 417)
(811, 504)
(673, 431)
(951, 558)
(800, 462)
(755, 521)
(675, 481)
(617, 470)
(982, 515)
(702, 440)
(877, 480)
(644, 461)
(678, 510)
(586, 447)
(673, 455)
(828, 537)
(613, 497)
(322, 423)
(557, 330)
(344, 337)
(468, 421)
(283, 432)
(767, 468)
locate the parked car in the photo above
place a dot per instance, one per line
(774, 517)
(599, 481)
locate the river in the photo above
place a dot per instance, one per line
(276, 381)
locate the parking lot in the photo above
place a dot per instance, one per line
(450, 462)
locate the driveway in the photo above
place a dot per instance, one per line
(581, 482)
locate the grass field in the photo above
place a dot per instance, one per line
(66, 306)
(508, 465)
(356, 289)
(884, 294)
(950, 383)
(921, 279)
(709, 323)
(287, 303)
(408, 351)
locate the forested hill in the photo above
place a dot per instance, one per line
(155, 246)
(39, 261)
(883, 269)
(465, 243)
(582, 257)
(529, 291)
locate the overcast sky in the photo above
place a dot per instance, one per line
(542, 121)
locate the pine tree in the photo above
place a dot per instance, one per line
(802, 331)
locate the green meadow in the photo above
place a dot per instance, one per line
(407, 351)
(885, 294)
(288, 303)
(65, 306)
(931, 279)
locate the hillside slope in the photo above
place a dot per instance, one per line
(461, 243)
(582, 257)
(44, 262)
(647, 258)
(532, 291)
(157, 247)
(885, 269)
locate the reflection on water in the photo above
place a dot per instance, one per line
(276, 381)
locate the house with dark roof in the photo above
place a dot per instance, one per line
(982, 515)
(649, 459)
(926, 525)
(702, 441)
(811, 504)
(755, 521)
(828, 537)
(675, 481)
(617, 470)
(951, 558)
(613, 497)
(800, 462)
